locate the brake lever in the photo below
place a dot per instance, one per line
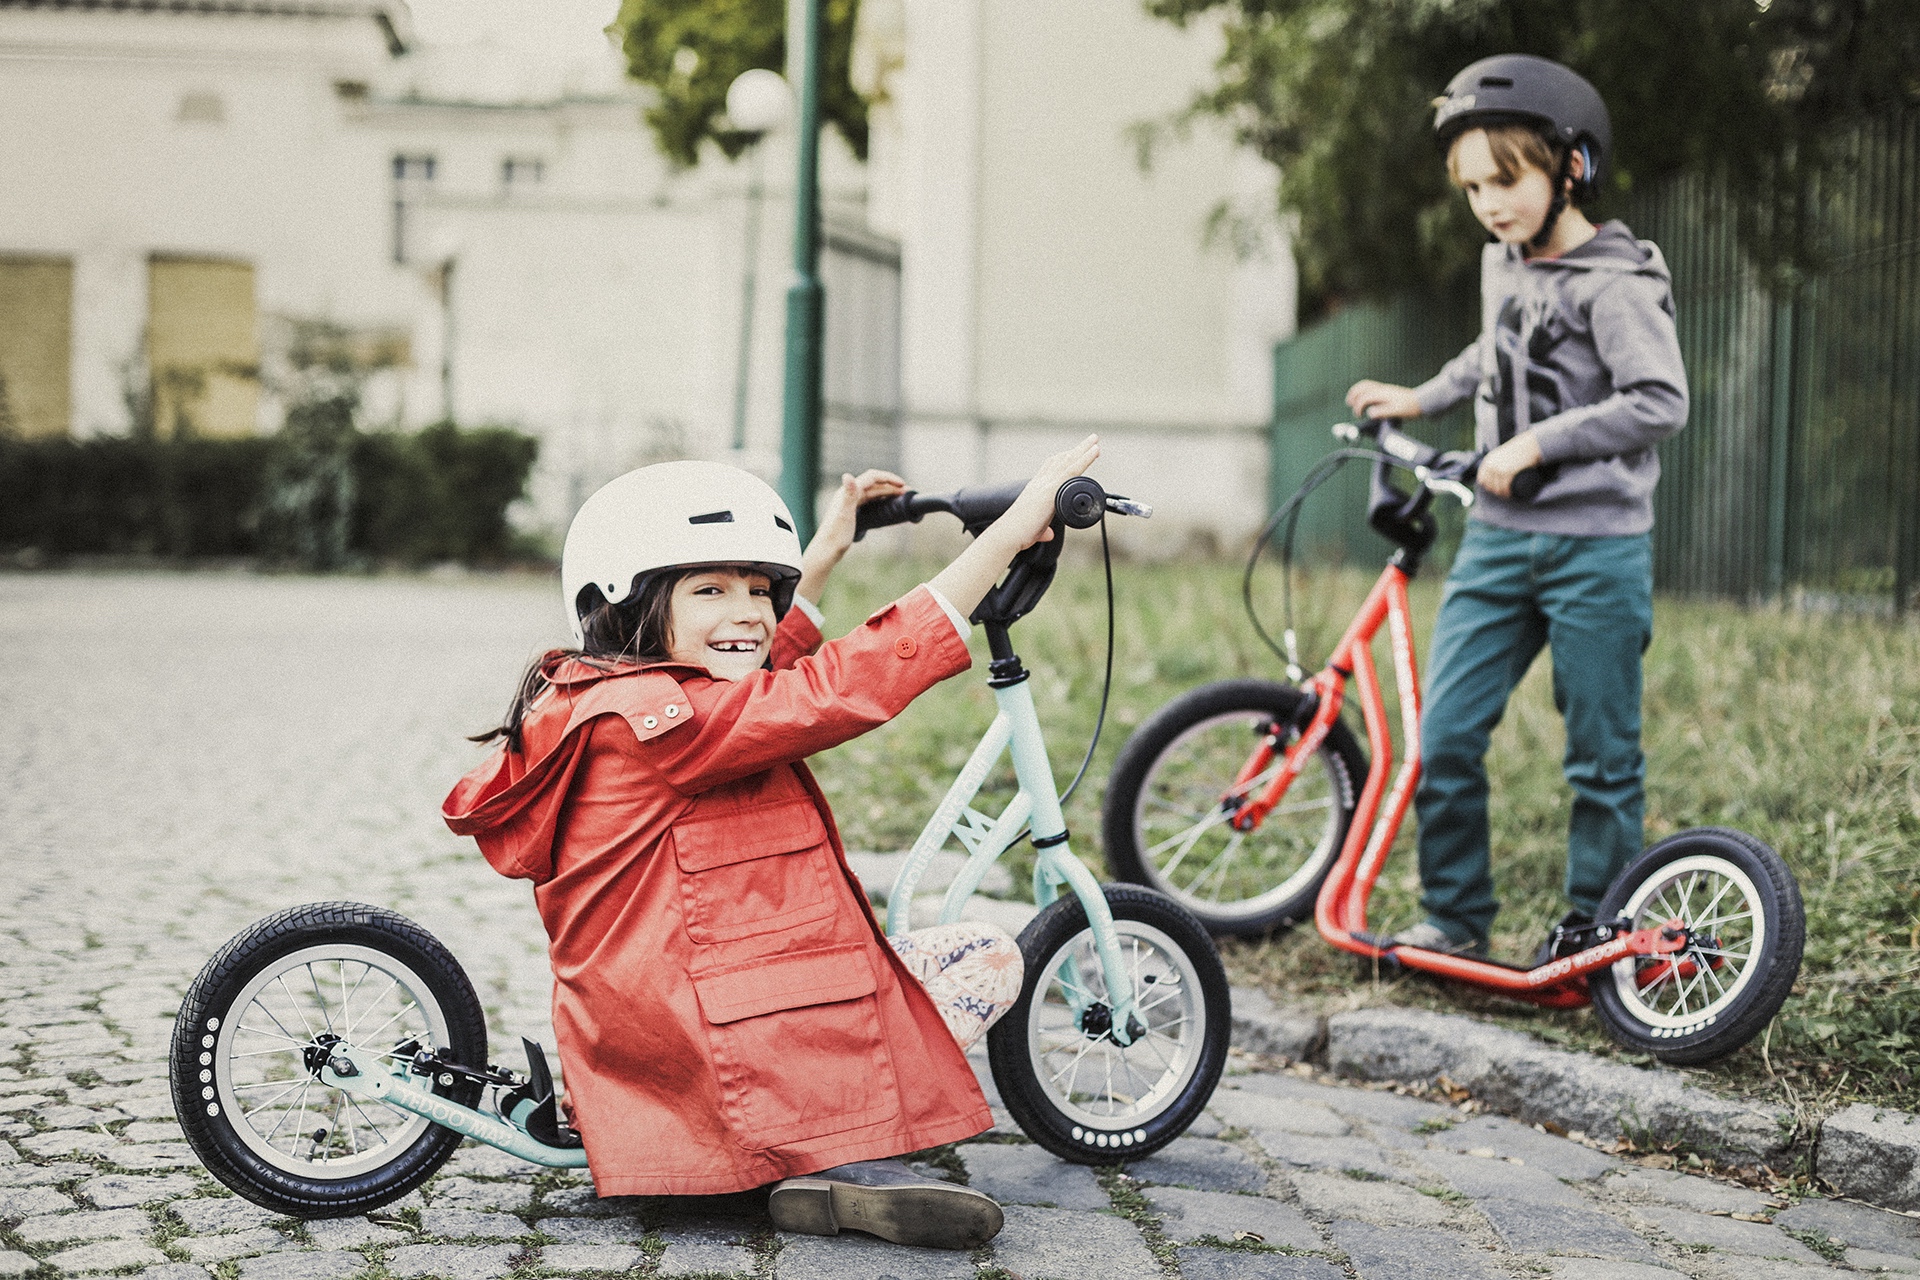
(1440, 484)
(1128, 507)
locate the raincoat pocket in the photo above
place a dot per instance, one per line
(796, 1045)
(753, 871)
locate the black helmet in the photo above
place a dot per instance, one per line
(1518, 88)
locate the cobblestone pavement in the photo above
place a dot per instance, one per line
(182, 755)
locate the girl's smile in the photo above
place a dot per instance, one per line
(721, 619)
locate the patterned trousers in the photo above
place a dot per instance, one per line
(972, 971)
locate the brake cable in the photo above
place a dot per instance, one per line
(1106, 688)
(1289, 516)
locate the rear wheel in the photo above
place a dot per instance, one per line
(1167, 820)
(1745, 926)
(253, 1031)
(1069, 1083)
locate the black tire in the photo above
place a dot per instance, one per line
(1170, 785)
(243, 1033)
(1720, 993)
(1185, 1050)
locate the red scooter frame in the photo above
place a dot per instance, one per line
(1341, 909)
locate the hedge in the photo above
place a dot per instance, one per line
(320, 494)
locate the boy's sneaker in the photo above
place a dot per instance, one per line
(1429, 936)
(885, 1198)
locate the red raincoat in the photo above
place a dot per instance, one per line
(727, 1008)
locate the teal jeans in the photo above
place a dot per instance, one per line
(1510, 594)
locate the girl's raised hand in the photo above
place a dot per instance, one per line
(835, 534)
(1030, 518)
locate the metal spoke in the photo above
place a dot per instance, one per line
(314, 980)
(282, 981)
(404, 1010)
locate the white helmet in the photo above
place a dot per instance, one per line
(672, 515)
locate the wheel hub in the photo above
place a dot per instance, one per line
(317, 1054)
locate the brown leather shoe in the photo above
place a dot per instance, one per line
(885, 1198)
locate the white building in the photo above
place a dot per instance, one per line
(184, 183)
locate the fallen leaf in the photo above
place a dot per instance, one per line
(1252, 1237)
(1750, 1217)
(1485, 1153)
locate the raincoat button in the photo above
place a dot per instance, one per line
(905, 647)
(673, 710)
(651, 722)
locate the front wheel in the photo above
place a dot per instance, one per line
(1069, 1083)
(254, 1030)
(1740, 906)
(1183, 778)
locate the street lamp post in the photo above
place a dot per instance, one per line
(800, 437)
(758, 102)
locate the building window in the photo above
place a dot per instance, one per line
(522, 172)
(412, 175)
(36, 344)
(203, 346)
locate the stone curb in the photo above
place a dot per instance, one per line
(1866, 1152)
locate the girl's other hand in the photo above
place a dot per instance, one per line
(835, 534)
(1030, 518)
(1382, 400)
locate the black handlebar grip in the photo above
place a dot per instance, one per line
(882, 512)
(1080, 502)
(1527, 484)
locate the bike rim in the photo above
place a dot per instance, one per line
(256, 1069)
(1190, 850)
(1720, 903)
(1107, 1090)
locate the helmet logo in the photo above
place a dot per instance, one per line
(1453, 107)
(712, 517)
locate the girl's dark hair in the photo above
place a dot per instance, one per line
(632, 631)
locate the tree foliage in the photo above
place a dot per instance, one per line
(1337, 94)
(691, 50)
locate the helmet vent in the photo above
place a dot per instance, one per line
(1496, 82)
(783, 524)
(712, 517)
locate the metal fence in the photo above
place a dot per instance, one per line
(1799, 469)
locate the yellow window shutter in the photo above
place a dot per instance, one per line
(203, 345)
(36, 345)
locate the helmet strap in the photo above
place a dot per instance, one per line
(1559, 205)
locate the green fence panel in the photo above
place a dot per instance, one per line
(1799, 469)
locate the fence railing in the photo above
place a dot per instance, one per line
(1799, 468)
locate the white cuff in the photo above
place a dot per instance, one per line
(958, 619)
(812, 610)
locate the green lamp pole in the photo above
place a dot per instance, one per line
(800, 439)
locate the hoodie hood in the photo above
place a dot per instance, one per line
(1613, 249)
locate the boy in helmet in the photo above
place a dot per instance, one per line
(1576, 371)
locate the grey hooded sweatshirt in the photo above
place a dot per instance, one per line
(1581, 349)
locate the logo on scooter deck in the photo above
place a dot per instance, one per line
(1097, 1138)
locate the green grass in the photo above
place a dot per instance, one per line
(1802, 729)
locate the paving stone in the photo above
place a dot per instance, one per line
(1479, 1178)
(1203, 1164)
(1031, 1175)
(1872, 1153)
(593, 1230)
(1333, 1154)
(460, 1224)
(1260, 1026)
(590, 1257)
(481, 1161)
(1386, 1203)
(1198, 1262)
(42, 1175)
(107, 1255)
(1189, 1215)
(21, 1202)
(302, 1266)
(1753, 1238)
(152, 1131)
(1868, 1260)
(1601, 1269)
(148, 1106)
(155, 1155)
(1265, 1115)
(1380, 1254)
(63, 1116)
(221, 1213)
(1559, 1156)
(1534, 1226)
(1855, 1224)
(452, 1261)
(465, 1193)
(18, 1264)
(1205, 1125)
(353, 1233)
(851, 1257)
(235, 1244)
(1693, 1192)
(118, 1191)
(110, 1224)
(69, 1142)
(174, 1271)
(1054, 1244)
(24, 1102)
